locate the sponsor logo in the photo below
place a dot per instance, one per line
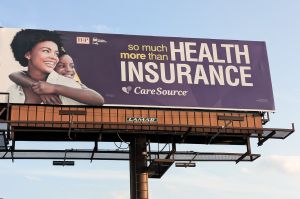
(82, 40)
(141, 119)
(97, 41)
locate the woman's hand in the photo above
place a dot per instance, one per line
(42, 87)
(46, 91)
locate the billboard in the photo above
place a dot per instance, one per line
(129, 70)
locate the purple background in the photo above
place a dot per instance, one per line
(99, 66)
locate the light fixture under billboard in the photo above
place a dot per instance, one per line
(63, 163)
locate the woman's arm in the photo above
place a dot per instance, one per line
(82, 95)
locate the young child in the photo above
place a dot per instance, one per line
(65, 87)
(66, 66)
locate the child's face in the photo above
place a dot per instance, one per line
(65, 66)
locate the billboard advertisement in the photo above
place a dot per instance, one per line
(80, 68)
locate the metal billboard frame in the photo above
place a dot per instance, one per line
(145, 162)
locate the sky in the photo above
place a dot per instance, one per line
(276, 174)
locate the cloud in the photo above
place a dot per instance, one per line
(83, 175)
(71, 174)
(209, 184)
(33, 178)
(224, 183)
(262, 176)
(287, 164)
(120, 195)
(276, 173)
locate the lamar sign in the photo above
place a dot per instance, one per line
(141, 119)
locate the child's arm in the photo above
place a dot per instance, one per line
(82, 95)
(21, 78)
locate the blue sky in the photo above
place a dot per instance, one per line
(275, 175)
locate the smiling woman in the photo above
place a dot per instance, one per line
(46, 81)
(42, 59)
(38, 50)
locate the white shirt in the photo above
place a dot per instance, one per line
(55, 78)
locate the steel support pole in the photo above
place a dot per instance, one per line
(138, 166)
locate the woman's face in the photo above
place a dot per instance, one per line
(65, 66)
(43, 57)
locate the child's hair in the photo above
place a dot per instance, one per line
(26, 39)
(63, 53)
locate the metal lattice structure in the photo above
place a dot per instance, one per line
(167, 127)
(108, 124)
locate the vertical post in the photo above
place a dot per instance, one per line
(138, 166)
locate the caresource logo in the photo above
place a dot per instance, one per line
(82, 40)
(154, 91)
(126, 89)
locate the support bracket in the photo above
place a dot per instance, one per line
(262, 140)
(247, 153)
